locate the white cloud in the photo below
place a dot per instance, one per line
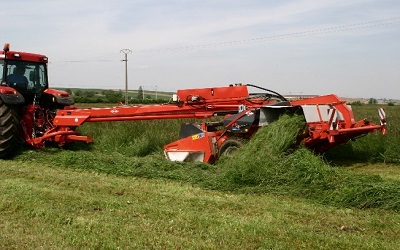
(96, 30)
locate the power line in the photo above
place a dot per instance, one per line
(333, 29)
(86, 60)
(98, 58)
(283, 36)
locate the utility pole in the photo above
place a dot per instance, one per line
(126, 52)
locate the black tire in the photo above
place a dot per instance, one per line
(229, 147)
(10, 131)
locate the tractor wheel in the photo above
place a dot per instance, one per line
(229, 147)
(10, 130)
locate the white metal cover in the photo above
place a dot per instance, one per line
(314, 113)
(185, 156)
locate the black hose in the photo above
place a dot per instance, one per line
(276, 93)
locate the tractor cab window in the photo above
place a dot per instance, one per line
(1, 70)
(26, 77)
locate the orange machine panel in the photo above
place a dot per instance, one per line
(237, 91)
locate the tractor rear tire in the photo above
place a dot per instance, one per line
(10, 131)
(229, 147)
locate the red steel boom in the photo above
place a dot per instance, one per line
(329, 120)
(189, 103)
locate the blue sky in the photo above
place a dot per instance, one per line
(347, 47)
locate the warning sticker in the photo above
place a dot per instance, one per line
(198, 136)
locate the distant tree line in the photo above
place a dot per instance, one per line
(372, 101)
(109, 96)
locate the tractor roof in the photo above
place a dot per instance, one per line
(23, 56)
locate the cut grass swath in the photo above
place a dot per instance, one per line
(265, 165)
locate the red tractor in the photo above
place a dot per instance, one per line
(27, 105)
(34, 114)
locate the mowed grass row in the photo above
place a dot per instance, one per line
(262, 166)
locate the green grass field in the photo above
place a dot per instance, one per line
(120, 193)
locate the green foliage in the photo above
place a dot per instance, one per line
(112, 96)
(86, 99)
(372, 101)
(146, 101)
(356, 103)
(391, 104)
(140, 93)
(78, 92)
(89, 93)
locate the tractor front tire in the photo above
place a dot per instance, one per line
(10, 131)
(229, 147)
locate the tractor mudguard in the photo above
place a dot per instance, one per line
(60, 97)
(10, 96)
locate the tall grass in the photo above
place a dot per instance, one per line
(139, 138)
(265, 165)
(373, 147)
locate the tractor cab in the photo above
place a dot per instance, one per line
(24, 80)
(28, 78)
(24, 72)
